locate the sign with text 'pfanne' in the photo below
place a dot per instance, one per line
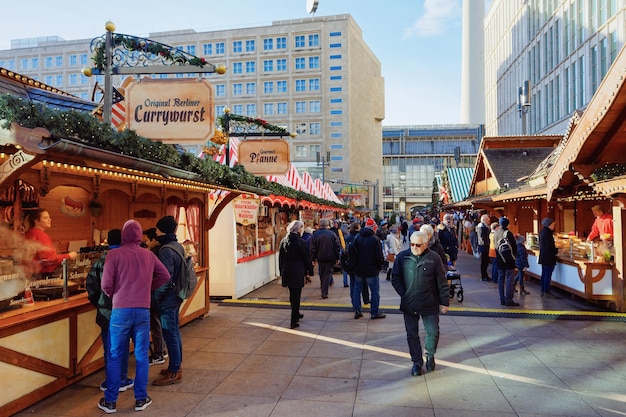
(264, 157)
(172, 111)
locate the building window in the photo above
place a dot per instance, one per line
(73, 79)
(333, 34)
(300, 106)
(336, 147)
(48, 79)
(268, 65)
(301, 151)
(207, 49)
(335, 45)
(281, 86)
(314, 40)
(335, 89)
(83, 79)
(219, 48)
(24, 63)
(336, 170)
(237, 89)
(219, 110)
(336, 77)
(251, 110)
(250, 66)
(250, 88)
(335, 57)
(237, 67)
(220, 90)
(336, 124)
(268, 87)
(238, 108)
(191, 49)
(300, 85)
(314, 62)
(73, 60)
(336, 158)
(314, 84)
(336, 112)
(250, 45)
(237, 46)
(281, 108)
(300, 63)
(59, 80)
(281, 43)
(268, 44)
(58, 60)
(315, 128)
(299, 41)
(268, 108)
(335, 68)
(281, 64)
(336, 135)
(314, 106)
(47, 62)
(336, 100)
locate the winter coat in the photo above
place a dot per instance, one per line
(482, 234)
(97, 298)
(449, 241)
(547, 247)
(521, 260)
(367, 252)
(294, 261)
(421, 282)
(325, 246)
(166, 297)
(435, 246)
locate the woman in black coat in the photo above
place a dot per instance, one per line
(547, 254)
(294, 262)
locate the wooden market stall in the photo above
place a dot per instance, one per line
(55, 342)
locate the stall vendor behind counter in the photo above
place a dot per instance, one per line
(603, 225)
(46, 256)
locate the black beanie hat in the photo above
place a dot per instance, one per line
(167, 224)
(114, 237)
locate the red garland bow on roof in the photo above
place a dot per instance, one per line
(443, 194)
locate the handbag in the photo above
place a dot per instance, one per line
(391, 257)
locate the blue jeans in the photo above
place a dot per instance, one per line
(126, 323)
(519, 277)
(506, 285)
(345, 278)
(431, 339)
(494, 269)
(106, 346)
(546, 277)
(372, 283)
(365, 292)
(171, 335)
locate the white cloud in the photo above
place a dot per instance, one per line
(436, 18)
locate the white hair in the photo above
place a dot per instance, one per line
(428, 229)
(295, 227)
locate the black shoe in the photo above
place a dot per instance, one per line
(430, 363)
(502, 303)
(301, 316)
(106, 406)
(346, 286)
(366, 301)
(357, 315)
(417, 370)
(324, 296)
(141, 405)
(485, 279)
(379, 316)
(524, 292)
(512, 304)
(293, 326)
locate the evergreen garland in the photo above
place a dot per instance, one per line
(608, 171)
(84, 128)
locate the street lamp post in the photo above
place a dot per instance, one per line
(523, 103)
(393, 199)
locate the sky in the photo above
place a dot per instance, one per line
(418, 42)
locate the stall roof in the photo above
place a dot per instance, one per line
(508, 165)
(38, 92)
(598, 139)
(459, 180)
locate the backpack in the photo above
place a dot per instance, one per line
(187, 280)
(344, 257)
(505, 252)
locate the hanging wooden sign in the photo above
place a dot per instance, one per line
(264, 157)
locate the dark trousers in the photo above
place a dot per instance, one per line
(431, 339)
(326, 274)
(484, 263)
(546, 277)
(157, 334)
(294, 301)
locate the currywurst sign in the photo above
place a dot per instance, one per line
(172, 111)
(264, 157)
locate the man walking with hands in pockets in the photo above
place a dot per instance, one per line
(419, 277)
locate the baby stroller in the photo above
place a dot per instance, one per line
(454, 280)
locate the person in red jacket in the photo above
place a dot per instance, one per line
(46, 256)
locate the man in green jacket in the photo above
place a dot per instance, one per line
(419, 277)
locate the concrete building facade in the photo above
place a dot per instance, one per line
(564, 48)
(315, 76)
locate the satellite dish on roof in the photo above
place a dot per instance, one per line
(311, 6)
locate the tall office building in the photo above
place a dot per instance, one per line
(315, 76)
(414, 156)
(564, 48)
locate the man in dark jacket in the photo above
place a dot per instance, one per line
(506, 267)
(547, 255)
(167, 302)
(325, 251)
(419, 277)
(482, 234)
(367, 253)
